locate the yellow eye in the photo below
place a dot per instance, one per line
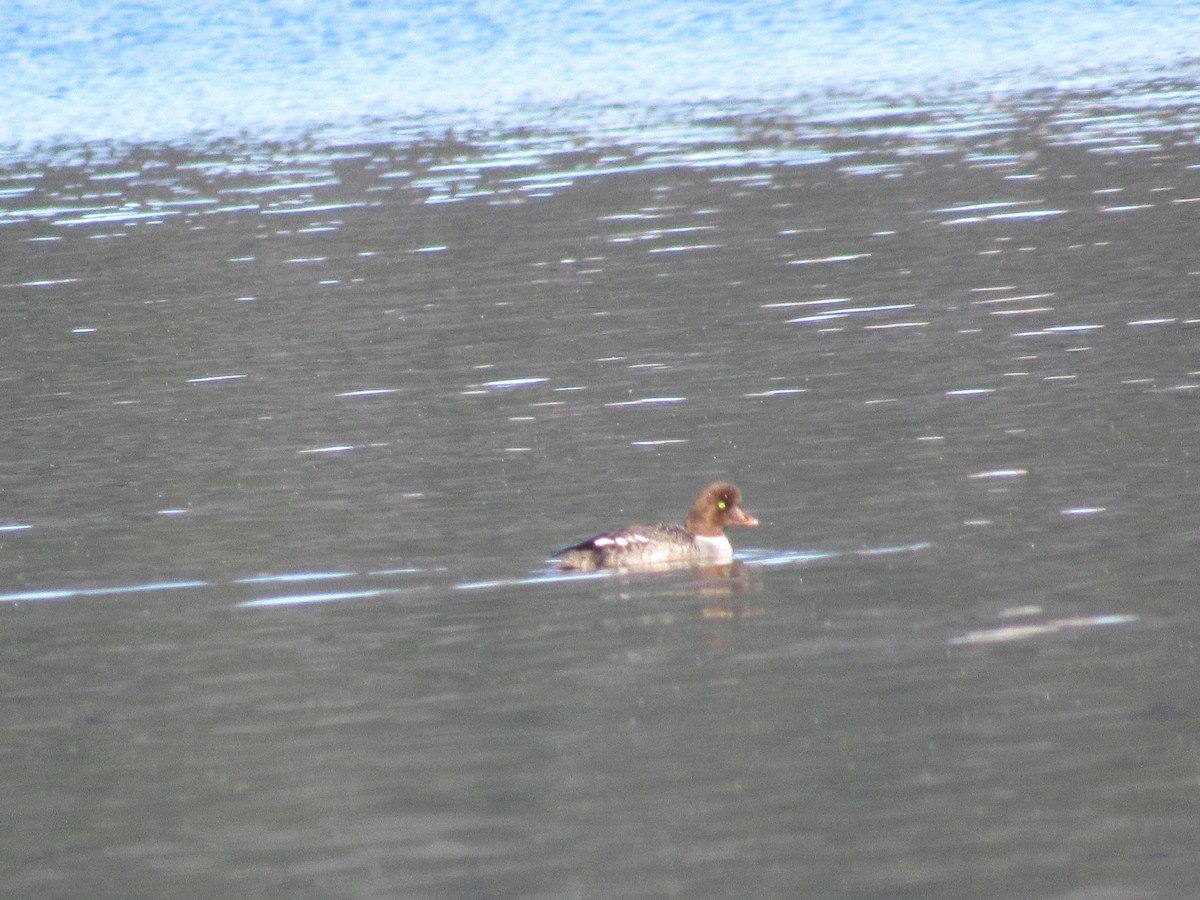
(722, 504)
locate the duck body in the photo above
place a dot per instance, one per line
(699, 541)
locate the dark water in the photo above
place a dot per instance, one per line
(291, 428)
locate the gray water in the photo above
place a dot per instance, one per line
(291, 430)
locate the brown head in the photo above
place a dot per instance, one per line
(718, 506)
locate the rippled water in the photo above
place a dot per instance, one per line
(292, 428)
(97, 70)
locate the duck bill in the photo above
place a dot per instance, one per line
(741, 517)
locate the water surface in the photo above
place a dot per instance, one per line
(292, 427)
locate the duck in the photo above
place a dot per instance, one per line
(700, 541)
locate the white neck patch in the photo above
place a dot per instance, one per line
(716, 549)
